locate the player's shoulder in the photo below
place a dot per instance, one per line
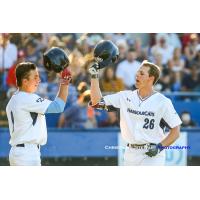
(126, 92)
(24, 97)
(161, 97)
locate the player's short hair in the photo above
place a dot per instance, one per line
(23, 70)
(154, 70)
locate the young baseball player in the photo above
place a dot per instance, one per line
(26, 114)
(144, 114)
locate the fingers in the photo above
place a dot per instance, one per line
(66, 80)
(66, 73)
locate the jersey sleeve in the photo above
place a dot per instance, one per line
(171, 117)
(37, 104)
(113, 100)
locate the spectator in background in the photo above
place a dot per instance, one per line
(8, 56)
(111, 121)
(191, 49)
(54, 41)
(176, 77)
(191, 81)
(158, 60)
(76, 116)
(197, 58)
(69, 40)
(77, 69)
(82, 87)
(185, 39)
(109, 82)
(164, 83)
(11, 77)
(177, 63)
(141, 55)
(32, 54)
(127, 69)
(187, 121)
(123, 47)
(174, 40)
(162, 47)
(4, 98)
(3, 102)
(38, 38)
(16, 39)
(50, 87)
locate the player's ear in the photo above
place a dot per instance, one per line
(24, 81)
(152, 78)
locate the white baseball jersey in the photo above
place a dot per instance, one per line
(27, 123)
(143, 120)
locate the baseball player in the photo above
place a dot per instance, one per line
(26, 114)
(144, 114)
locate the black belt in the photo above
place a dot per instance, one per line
(141, 146)
(23, 145)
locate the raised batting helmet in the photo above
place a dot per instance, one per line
(55, 59)
(106, 53)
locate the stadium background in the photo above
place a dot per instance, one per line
(79, 136)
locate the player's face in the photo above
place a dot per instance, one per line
(31, 84)
(142, 78)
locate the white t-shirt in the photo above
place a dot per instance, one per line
(142, 121)
(10, 55)
(27, 123)
(127, 72)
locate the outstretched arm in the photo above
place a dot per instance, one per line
(95, 89)
(58, 105)
(64, 84)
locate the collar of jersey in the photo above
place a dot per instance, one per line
(145, 98)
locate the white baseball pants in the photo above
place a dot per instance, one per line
(137, 157)
(29, 155)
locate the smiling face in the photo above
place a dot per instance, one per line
(31, 83)
(27, 77)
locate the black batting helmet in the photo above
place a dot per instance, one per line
(106, 53)
(55, 59)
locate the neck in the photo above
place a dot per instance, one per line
(24, 89)
(145, 92)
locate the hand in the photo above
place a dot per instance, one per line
(154, 150)
(93, 70)
(66, 77)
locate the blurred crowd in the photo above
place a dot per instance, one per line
(178, 56)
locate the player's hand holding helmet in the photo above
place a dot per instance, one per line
(55, 59)
(94, 70)
(105, 54)
(66, 77)
(154, 150)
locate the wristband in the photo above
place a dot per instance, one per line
(95, 76)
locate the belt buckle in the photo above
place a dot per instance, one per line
(148, 146)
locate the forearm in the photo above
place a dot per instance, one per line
(95, 91)
(172, 137)
(63, 92)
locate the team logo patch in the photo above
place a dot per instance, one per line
(40, 100)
